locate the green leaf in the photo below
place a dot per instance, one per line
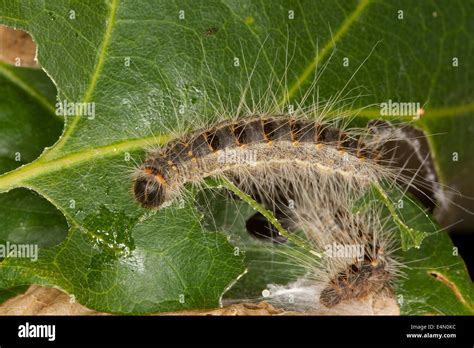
(27, 129)
(266, 262)
(436, 281)
(27, 125)
(137, 61)
(409, 217)
(429, 258)
(27, 218)
(157, 259)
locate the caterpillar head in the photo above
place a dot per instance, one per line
(356, 282)
(150, 188)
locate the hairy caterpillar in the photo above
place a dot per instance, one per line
(275, 140)
(317, 157)
(309, 170)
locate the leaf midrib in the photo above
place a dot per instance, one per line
(20, 176)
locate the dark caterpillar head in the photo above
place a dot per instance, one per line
(358, 281)
(150, 190)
